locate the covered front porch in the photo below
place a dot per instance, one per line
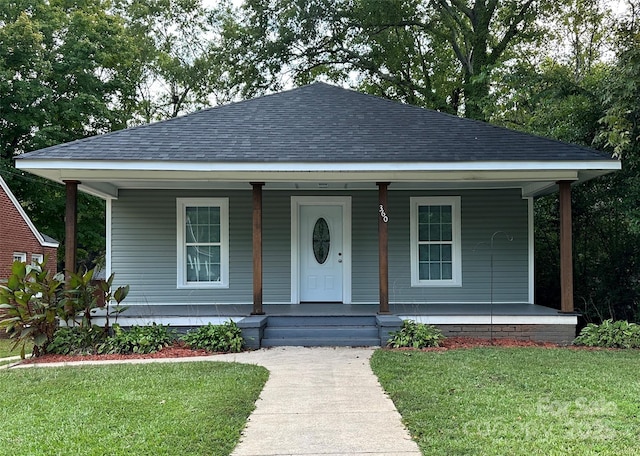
(326, 323)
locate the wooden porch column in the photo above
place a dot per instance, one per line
(383, 247)
(566, 255)
(71, 227)
(257, 248)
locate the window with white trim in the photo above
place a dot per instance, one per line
(436, 258)
(36, 258)
(20, 256)
(203, 242)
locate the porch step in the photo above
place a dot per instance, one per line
(321, 331)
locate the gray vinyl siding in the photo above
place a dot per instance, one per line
(144, 247)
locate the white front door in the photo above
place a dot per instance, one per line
(321, 255)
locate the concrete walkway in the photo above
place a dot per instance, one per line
(317, 401)
(321, 401)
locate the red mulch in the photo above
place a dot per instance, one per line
(177, 350)
(453, 343)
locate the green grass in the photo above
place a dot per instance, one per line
(5, 348)
(196, 408)
(525, 401)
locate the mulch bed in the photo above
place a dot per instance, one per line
(456, 343)
(179, 350)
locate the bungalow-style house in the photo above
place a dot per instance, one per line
(19, 238)
(321, 215)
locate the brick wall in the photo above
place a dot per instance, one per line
(559, 334)
(16, 236)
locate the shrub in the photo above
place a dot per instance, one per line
(610, 334)
(77, 340)
(35, 301)
(31, 301)
(226, 337)
(138, 339)
(85, 294)
(415, 335)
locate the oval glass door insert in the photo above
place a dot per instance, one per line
(321, 240)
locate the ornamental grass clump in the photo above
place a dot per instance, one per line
(415, 335)
(610, 334)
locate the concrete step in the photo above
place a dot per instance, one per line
(320, 332)
(310, 342)
(322, 320)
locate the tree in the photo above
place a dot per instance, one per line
(579, 97)
(437, 54)
(65, 73)
(178, 42)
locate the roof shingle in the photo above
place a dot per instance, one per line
(318, 123)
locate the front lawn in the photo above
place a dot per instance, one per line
(193, 408)
(517, 401)
(5, 348)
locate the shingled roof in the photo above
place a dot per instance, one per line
(314, 124)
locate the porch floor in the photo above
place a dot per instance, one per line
(336, 309)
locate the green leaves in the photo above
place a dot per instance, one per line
(226, 337)
(610, 334)
(415, 335)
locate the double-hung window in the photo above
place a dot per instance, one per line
(20, 256)
(436, 258)
(203, 242)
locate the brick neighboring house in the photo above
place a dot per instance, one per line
(19, 238)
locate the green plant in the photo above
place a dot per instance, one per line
(77, 340)
(31, 302)
(85, 294)
(226, 337)
(415, 335)
(138, 339)
(610, 334)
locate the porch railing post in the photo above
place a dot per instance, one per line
(257, 248)
(383, 247)
(71, 227)
(566, 254)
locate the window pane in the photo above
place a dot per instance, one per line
(423, 214)
(434, 214)
(424, 271)
(434, 253)
(203, 263)
(434, 233)
(423, 232)
(446, 214)
(446, 232)
(446, 253)
(434, 271)
(447, 271)
(423, 254)
(203, 216)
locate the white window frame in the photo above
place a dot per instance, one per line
(36, 258)
(20, 256)
(456, 248)
(182, 204)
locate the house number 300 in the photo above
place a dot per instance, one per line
(383, 214)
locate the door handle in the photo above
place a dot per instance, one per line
(339, 257)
